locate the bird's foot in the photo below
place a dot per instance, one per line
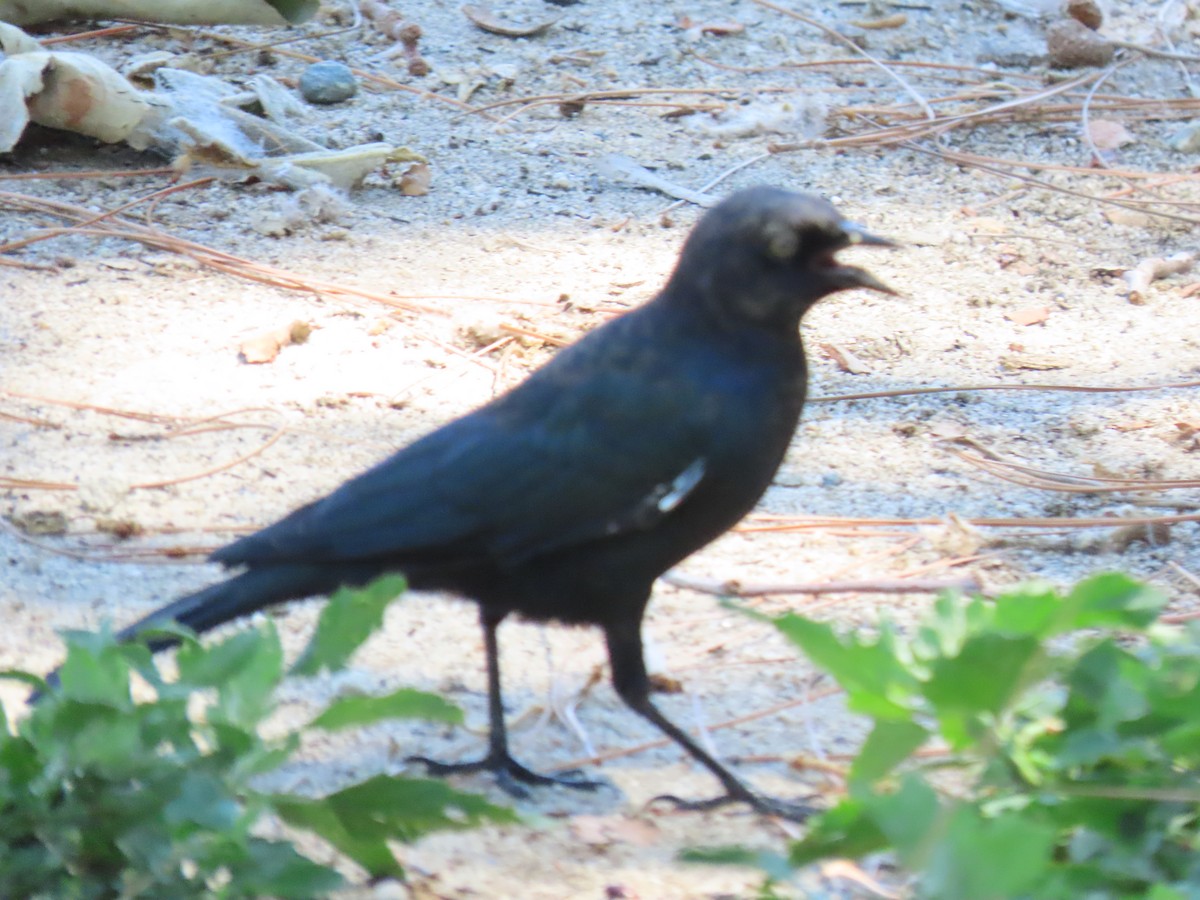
(511, 776)
(792, 810)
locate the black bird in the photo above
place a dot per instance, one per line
(565, 498)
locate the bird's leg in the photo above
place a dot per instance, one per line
(633, 686)
(510, 774)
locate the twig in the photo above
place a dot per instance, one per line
(841, 38)
(1155, 52)
(1085, 113)
(1031, 477)
(518, 331)
(90, 173)
(905, 543)
(869, 586)
(26, 420)
(154, 418)
(95, 33)
(1047, 185)
(1192, 579)
(622, 168)
(607, 755)
(811, 523)
(704, 189)
(115, 227)
(1073, 388)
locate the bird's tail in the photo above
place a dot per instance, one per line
(240, 595)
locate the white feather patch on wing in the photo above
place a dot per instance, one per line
(675, 493)
(660, 501)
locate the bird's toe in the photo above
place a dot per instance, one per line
(792, 810)
(511, 776)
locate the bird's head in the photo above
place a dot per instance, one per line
(765, 255)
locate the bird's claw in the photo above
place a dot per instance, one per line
(511, 776)
(794, 811)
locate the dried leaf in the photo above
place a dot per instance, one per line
(415, 180)
(484, 18)
(122, 529)
(665, 684)
(846, 361)
(601, 831)
(1007, 255)
(225, 12)
(1140, 276)
(718, 28)
(844, 868)
(1132, 425)
(264, 347)
(1109, 135)
(71, 91)
(40, 522)
(954, 536)
(1155, 534)
(987, 225)
(1118, 215)
(898, 20)
(1033, 361)
(1030, 315)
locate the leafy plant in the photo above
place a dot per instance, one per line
(1071, 729)
(103, 796)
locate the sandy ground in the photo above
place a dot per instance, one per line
(524, 227)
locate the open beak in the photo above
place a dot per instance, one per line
(856, 234)
(852, 276)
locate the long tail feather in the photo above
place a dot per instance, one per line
(238, 596)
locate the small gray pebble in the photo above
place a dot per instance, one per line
(328, 82)
(831, 479)
(1186, 139)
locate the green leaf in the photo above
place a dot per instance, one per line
(1113, 600)
(245, 668)
(877, 683)
(202, 800)
(910, 818)
(405, 703)
(848, 829)
(19, 764)
(1108, 686)
(348, 619)
(295, 11)
(216, 664)
(1163, 892)
(888, 744)
(1032, 610)
(1074, 766)
(275, 869)
(95, 670)
(982, 858)
(988, 673)
(361, 819)
(776, 867)
(369, 850)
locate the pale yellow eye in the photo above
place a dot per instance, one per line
(782, 240)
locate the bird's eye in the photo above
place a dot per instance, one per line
(782, 241)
